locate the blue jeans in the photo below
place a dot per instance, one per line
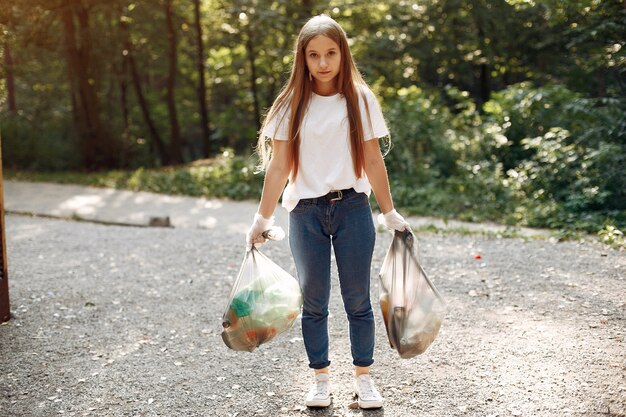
(316, 225)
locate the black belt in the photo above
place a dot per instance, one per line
(335, 195)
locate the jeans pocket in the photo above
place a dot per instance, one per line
(302, 206)
(357, 200)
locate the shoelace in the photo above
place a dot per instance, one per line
(321, 388)
(366, 389)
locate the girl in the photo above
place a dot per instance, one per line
(324, 129)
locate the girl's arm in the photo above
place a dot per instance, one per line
(275, 178)
(377, 174)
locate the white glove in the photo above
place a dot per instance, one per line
(393, 220)
(255, 233)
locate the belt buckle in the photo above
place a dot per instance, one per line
(339, 195)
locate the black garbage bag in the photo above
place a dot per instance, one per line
(412, 307)
(263, 303)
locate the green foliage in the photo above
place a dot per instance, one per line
(510, 111)
(418, 123)
(226, 176)
(476, 47)
(563, 155)
(536, 156)
(37, 145)
(612, 236)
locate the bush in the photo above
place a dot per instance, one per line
(538, 156)
(420, 147)
(26, 146)
(227, 176)
(612, 236)
(565, 156)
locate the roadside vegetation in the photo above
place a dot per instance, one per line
(510, 111)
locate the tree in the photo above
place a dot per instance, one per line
(6, 19)
(131, 65)
(139, 98)
(175, 150)
(10, 79)
(97, 149)
(202, 100)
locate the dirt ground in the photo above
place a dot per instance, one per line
(126, 321)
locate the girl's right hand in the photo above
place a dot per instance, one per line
(255, 233)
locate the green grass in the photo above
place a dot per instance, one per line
(109, 179)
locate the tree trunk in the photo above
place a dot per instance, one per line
(602, 82)
(10, 79)
(156, 140)
(307, 8)
(122, 84)
(176, 155)
(159, 145)
(255, 94)
(202, 100)
(484, 82)
(96, 151)
(5, 307)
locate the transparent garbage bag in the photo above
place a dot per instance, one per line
(412, 307)
(263, 303)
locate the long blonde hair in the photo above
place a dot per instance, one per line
(296, 95)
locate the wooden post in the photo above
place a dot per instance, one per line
(5, 308)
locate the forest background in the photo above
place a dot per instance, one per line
(504, 110)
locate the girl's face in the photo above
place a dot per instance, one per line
(323, 59)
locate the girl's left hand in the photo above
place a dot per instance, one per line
(394, 221)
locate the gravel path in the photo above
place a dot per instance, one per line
(125, 321)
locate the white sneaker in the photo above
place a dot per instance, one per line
(319, 395)
(366, 392)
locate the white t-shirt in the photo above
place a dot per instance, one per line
(325, 157)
